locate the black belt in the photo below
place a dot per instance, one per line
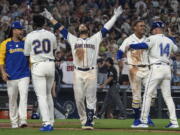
(84, 69)
(140, 65)
(161, 64)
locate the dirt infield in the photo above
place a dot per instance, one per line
(60, 124)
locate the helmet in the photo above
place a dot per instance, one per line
(157, 25)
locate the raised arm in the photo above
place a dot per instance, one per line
(117, 12)
(57, 25)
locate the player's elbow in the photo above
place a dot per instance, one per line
(119, 54)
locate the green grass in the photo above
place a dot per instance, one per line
(103, 127)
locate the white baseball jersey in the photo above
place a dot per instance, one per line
(90, 46)
(160, 48)
(39, 45)
(135, 57)
(67, 68)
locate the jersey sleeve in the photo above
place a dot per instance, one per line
(2, 53)
(27, 46)
(174, 48)
(54, 42)
(123, 45)
(149, 42)
(71, 38)
(98, 37)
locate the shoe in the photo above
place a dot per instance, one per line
(135, 123)
(14, 126)
(170, 125)
(121, 118)
(150, 122)
(23, 125)
(88, 126)
(46, 128)
(142, 125)
(95, 117)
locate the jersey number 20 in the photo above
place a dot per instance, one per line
(164, 50)
(46, 46)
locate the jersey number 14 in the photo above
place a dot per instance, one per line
(164, 50)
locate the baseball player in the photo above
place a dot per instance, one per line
(15, 71)
(137, 61)
(85, 52)
(39, 45)
(160, 47)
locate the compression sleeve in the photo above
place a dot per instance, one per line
(64, 31)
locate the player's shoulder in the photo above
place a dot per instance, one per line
(6, 41)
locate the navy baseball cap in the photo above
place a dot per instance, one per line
(157, 25)
(17, 25)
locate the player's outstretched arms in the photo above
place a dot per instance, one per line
(117, 12)
(57, 26)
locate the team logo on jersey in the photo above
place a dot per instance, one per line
(84, 46)
(16, 50)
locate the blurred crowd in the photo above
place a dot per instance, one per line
(95, 13)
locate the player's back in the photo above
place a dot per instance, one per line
(42, 44)
(160, 48)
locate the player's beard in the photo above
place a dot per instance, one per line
(20, 37)
(83, 32)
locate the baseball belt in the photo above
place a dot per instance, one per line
(84, 69)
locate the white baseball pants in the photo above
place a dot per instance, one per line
(85, 87)
(43, 78)
(138, 77)
(159, 75)
(13, 88)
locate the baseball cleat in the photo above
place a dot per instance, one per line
(135, 123)
(150, 122)
(23, 125)
(46, 128)
(140, 126)
(14, 126)
(88, 126)
(170, 125)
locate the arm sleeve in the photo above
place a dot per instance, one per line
(64, 33)
(110, 23)
(104, 31)
(54, 42)
(174, 48)
(27, 46)
(119, 54)
(122, 49)
(2, 53)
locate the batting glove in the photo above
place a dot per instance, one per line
(47, 14)
(118, 11)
